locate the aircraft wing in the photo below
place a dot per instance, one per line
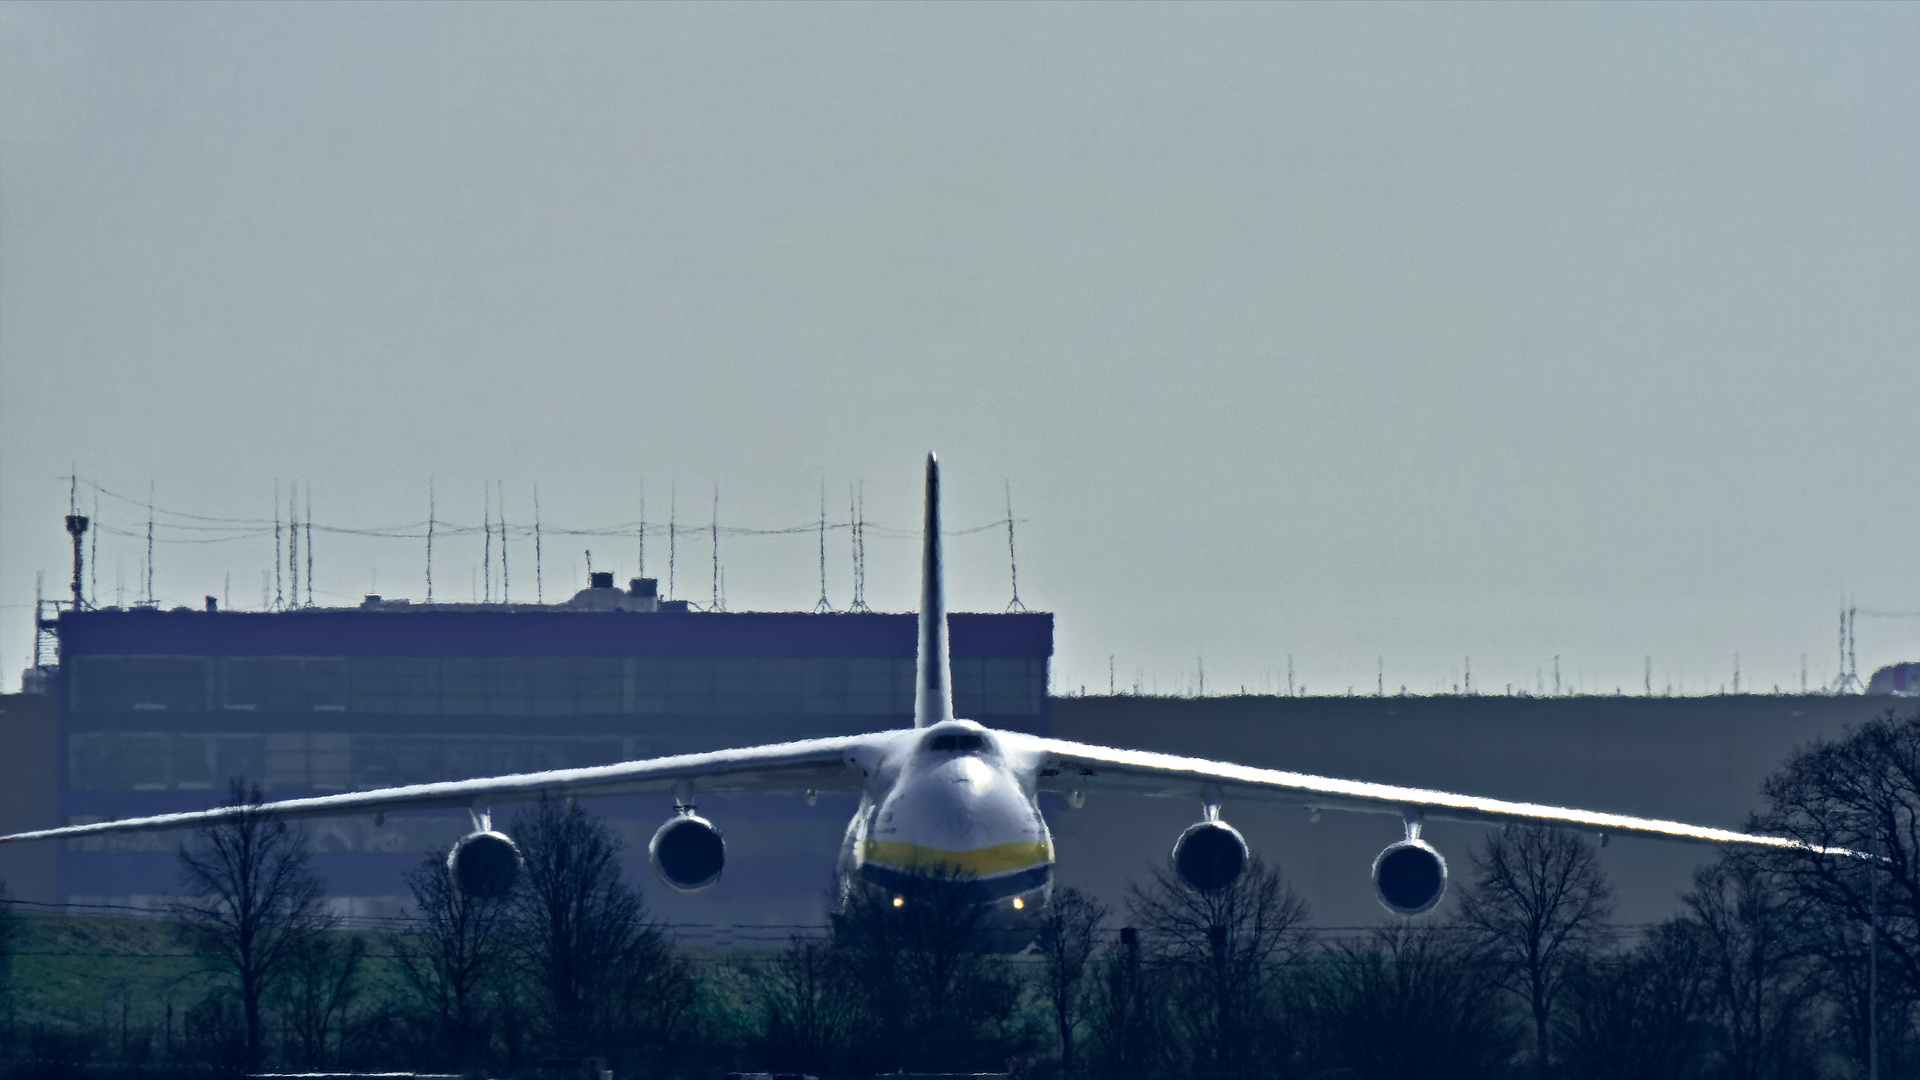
(808, 765)
(1070, 766)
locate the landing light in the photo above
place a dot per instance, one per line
(899, 901)
(1018, 903)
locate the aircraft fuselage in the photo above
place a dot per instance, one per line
(948, 808)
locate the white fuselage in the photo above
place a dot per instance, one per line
(947, 806)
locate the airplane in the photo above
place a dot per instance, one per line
(947, 802)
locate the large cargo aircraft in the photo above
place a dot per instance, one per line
(948, 804)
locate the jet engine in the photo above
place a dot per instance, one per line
(1410, 877)
(484, 865)
(687, 853)
(1210, 855)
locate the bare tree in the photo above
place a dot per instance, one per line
(1763, 985)
(454, 946)
(605, 977)
(1643, 1015)
(1406, 1000)
(1069, 937)
(932, 993)
(1539, 905)
(256, 903)
(1126, 1026)
(811, 1009)
(1215, 953)
(318, 989)
(1860, 793)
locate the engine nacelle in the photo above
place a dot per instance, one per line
(1410, 877)
(1210, 855)
(485, 865)
(688, 853)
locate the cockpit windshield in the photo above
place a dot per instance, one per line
(959, 744)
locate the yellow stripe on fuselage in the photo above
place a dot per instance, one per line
(998, 859)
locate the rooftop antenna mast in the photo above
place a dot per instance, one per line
(279, 598)
(857, 510)
(308, 493)
(822, 607)
(500, 507)
(539, 577)
(1848, 681)
(293, 543)
(430, 524)
(715, 606)
(1013, 560)
(276, 534)
(673, 533)
(76, 528)
(46, 640)
(93, 554)
(486, 522)
(640, 534)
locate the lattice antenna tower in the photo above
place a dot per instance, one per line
(486, 522)
(279, 598)
(1013, 560)
(853, 547)
(857, 505)
(76, 528)
(150, 543)
(673, 534)
(307, 492)
(539, 573)
(430, 525)
(1853, 643)
(500, 507)
(46, 641)
(93, 554)
(293, 544)
(822, 607)
(640, 534)
(1848, 681)
(715, 605)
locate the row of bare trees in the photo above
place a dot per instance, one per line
(1800, 961)
(566, 966)
(1789, 962)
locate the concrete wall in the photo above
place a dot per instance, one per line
(1700, 760)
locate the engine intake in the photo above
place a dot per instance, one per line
(1410, 877)
(1210, 855)
(688, 853)
(484, 865)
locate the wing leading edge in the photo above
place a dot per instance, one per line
(1071, 766)
(808, 765)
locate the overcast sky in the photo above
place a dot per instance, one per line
(1373, 336)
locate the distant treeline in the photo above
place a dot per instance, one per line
(1784, 964)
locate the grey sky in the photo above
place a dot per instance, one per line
(1340, 332)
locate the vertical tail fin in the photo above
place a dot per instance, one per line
(933, 694)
